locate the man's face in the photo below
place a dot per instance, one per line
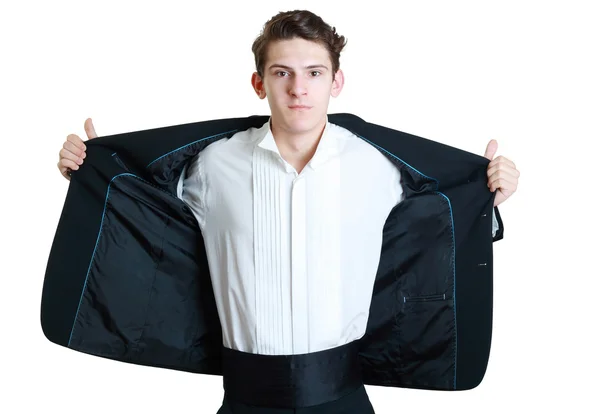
(297, 72)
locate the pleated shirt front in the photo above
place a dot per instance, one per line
(292, 257)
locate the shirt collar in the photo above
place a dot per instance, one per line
(326, 148)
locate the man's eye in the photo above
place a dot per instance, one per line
(317, 73)
(280, 72)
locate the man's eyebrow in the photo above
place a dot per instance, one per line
(278, 65)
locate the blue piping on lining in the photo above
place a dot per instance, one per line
(98, 239)
(437, 184)
(453, 246)
(373, 144)
(453, 284)
(104, 214)
(191, 143)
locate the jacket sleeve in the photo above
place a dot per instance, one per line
(497, 226)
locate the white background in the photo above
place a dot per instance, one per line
(523, 72)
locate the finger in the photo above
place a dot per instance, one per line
(491, 149)
(65, 172)
(89, 129)
(495, 178)
(503, 184)
(501, 160)
(65, 154)
(78, 142)
(65, 163)
(503, 167)
(502, 175)
(75, 150)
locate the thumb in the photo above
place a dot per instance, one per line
(491, 149)
(89, 129)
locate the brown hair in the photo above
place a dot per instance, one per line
(298, 23)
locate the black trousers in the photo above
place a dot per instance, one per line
(356, 402)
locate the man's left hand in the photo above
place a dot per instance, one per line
(502, 174)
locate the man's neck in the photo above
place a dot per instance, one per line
(297, 149)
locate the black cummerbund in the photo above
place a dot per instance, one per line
(291, 381)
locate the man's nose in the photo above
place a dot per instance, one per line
(298, 86)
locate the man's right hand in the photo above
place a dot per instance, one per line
(72, 153)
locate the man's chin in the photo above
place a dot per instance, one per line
(301, 122)
(299, 126)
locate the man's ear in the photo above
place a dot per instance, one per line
(338, 83)
(258, 85)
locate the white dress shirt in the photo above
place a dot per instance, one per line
(292, 257)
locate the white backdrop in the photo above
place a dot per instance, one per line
(461, 73)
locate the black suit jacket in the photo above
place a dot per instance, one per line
(128, 279)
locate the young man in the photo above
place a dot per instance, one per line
(275, 205)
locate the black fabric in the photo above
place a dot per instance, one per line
(291, 381)
(127, 276)
(356, 402)
(500, 232)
